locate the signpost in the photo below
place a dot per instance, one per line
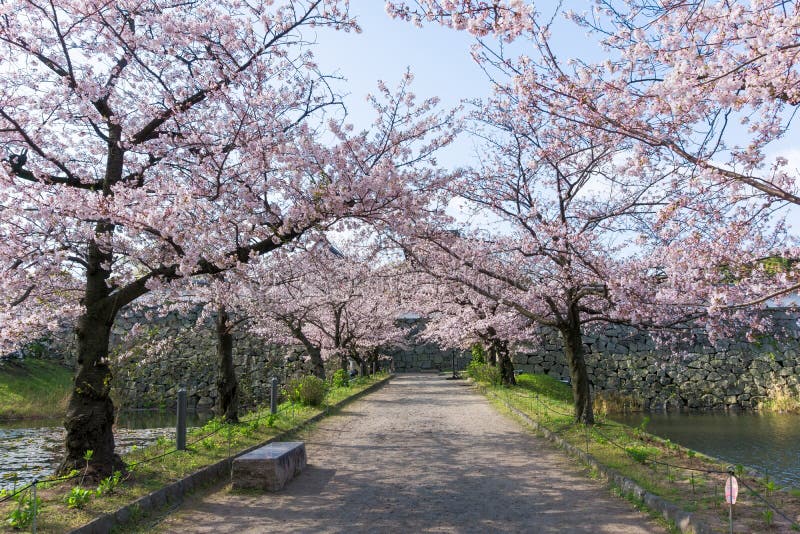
(731, 492)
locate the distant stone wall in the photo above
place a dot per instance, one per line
(173, 351)
(730, 375)
(414, 354)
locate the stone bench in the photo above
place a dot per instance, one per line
(269, 467)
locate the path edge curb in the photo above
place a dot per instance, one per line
(175, 492)
(685, 521)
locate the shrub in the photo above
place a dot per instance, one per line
(482, 372)
(341, 379)
(308, 390)
(477, 353)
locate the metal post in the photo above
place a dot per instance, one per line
(33, 524)
(730, 517)
(273, 396)
(181, 430)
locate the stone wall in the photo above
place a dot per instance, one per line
(729, 375)
(414, 354)
(173, 350)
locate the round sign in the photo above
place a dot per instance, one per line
(731, 490)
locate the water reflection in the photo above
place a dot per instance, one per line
(769, 443)
(32, 449)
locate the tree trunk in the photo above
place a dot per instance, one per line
(372, 361)
(227, 386)
(317, 366)
(314, 351)
(491, 356)
(573, 350)
(506, 365)
(90, 412)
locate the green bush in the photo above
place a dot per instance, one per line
(482, 372)
(477, 353)
(341, 379)
(308, 390)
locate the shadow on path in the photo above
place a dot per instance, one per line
(422, 455)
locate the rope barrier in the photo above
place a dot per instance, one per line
(17, 492)
(265, 413)
(45, 481)
(794, 523)
(695, 469)
(548, 409)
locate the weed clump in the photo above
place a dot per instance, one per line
(308, 390)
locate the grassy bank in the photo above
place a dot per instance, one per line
(689, 479)
(33, 389)
(156, 466)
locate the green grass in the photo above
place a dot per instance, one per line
(545, 385)
(638, 455)
(207, 445)
(33, 389)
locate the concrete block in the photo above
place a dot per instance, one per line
(269, 467)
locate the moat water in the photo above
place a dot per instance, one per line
(31, 449)
(769, 443)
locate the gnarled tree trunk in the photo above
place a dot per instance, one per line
(227, 385)
(573, 350)
(500, 348)
(314, 352)
(90, 412)
(317, 365)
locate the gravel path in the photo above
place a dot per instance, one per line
(422, 454)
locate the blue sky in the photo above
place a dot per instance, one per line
(443, 67)
(438, 57)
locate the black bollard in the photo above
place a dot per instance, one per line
(180, 434)
(273, 396)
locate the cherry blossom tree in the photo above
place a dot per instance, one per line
(339, 305)
(457, 316)
(694, 97)
(148, 143)
(562, 222)
(700, 94)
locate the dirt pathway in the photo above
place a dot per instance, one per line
(422, 454)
